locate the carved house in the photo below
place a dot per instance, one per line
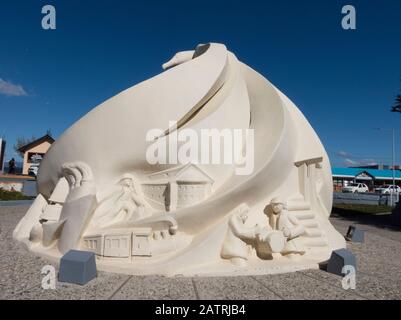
(120, 243)
(177, 188)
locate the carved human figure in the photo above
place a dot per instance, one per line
(235, 246)
(127, 205)
(281, 219)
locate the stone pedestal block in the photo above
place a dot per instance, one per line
(396, 215)
(339, 259)
(77, 267)
(355, 235)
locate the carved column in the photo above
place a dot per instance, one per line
(172, 196)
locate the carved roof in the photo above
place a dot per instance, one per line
(187, 173)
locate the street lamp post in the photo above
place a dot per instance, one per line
(393, 163)
(392, 203)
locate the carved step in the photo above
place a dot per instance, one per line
(310, 224)
(303, 215)
(313, 233)
(316, 242)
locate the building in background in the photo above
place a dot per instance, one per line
(379, 167)
(371, 177)
(34, 150)
(13, 182)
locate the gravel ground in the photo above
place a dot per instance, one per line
(378, 275)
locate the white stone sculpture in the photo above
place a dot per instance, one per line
(235, 245)
(291, 227)
(108, 186)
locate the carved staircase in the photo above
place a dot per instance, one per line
(314, 236)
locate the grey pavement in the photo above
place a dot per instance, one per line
(378, 275)
(13, 203)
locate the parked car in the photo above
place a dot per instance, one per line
(356, 188)
(33, 169)
(388, 189)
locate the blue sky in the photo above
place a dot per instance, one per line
(344, 81)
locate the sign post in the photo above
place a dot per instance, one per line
(2, 151)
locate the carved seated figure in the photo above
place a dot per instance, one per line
(239, 238)
(235, 246)
(281, 219)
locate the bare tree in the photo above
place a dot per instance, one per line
(21, 141)
(397, 106)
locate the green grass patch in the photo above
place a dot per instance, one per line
(12, 195)
(359, 209)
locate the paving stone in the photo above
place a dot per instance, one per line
(299, 287)
(378, 288)
(367, 286)
(156, 288)
(234, 288)
(101, 287)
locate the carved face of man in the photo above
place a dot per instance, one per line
(244, 217)
(127, 182)
(243, 214)
(277, 208)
